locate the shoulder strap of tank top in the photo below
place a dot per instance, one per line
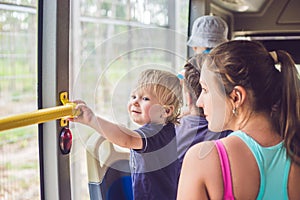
(228, 194)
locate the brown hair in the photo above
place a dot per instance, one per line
(191, 79)
(275, 92)
(166, 87)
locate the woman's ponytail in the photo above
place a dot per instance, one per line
(289, 107)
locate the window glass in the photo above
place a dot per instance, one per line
(146, 12)
(32, 3)
(110, 42)
(19, 168)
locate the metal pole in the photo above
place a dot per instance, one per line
(37, 117)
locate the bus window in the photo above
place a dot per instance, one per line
(19, 163)
(110, 42)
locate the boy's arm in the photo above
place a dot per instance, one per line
(118, 134)
(115, 133)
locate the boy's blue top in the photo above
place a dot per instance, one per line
(155, 167)
(274, 166)
(192, 130)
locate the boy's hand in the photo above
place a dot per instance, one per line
(86, 116)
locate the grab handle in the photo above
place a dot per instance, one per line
(41, 115)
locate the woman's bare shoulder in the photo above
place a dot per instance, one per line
(201, 172)
(200, 151)
(203, 156)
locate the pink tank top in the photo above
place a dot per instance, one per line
(228, 194)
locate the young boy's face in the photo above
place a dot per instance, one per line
(144, 107)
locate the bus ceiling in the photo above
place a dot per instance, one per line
(252, 17)
(276, 23)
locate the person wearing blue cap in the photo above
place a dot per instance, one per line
(207, 32)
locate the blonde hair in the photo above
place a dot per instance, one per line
(166, 87)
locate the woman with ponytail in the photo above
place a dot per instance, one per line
(256, 93)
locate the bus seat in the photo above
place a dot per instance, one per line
(116, 184)
(108, 170)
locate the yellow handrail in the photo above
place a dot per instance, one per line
(39, 116)
(42, 115)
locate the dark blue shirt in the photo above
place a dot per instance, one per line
(155, 167)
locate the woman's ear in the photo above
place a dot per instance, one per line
(238, 96)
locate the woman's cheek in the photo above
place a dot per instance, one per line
(217, 113)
